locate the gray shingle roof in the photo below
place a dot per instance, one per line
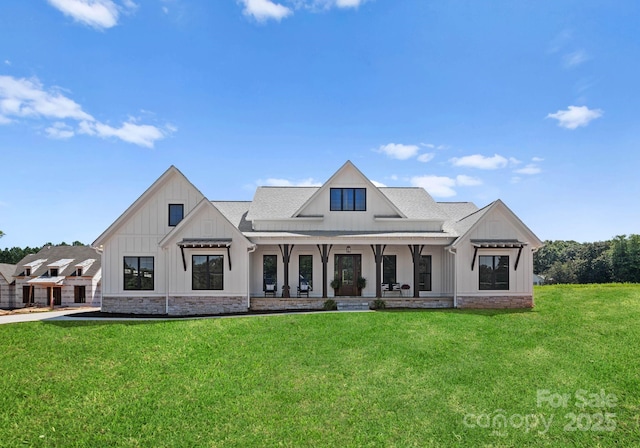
(462, 225)
(235, 212)
(6, 271)
(458, 210)
(52, 254)
(278, 202)
(415, 203)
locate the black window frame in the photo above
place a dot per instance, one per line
(301, 275)
(425, 276)
(350, 199)
(212, 280)
(491, 276)
(139, 276)
(172, 217)
(273, 266)
(387, 265)
(79, 294)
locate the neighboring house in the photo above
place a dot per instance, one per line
(7, 285)
(64, 275)
(175, 252)
(538, 279)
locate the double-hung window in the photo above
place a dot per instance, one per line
(389, 269)
(138, 273)
(494, 272)
(176, 213)
(424, 273)
(208, 272)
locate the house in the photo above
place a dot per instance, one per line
(7, 285)
(175, 252)
(59, 276)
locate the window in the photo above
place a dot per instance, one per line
(424, 273)
(269, 268)
(79, 272)
(138, 273)
(27, 294)
(348, 199)
(208, 272)
(494, 272)
(305, 269)
(27, 272)
(176, 213)
(53, 272)
(79, 294)
(389, 269)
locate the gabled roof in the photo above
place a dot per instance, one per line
(166, 176)
(53, 255)
(203, 204)
(278, 202)
(6, 271)
(458, 210)
(328, 184)
(468, 223)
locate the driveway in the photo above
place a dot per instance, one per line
(32, 317)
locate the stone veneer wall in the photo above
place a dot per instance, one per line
(495, 302)
(271, 304)
(188, 306)
(436, 302)
(134, 305)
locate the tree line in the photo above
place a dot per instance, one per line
(616, 260)
(13, 255)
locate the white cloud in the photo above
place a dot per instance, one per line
(28, 99)
(467, 181)
(7, 62)
(537, 159)
(399, 151)
(99, 14)
(349, 3)
(576, 58)
(529, 169)
(575, 116)
(277, 182)
(263, 10)
(60, 131)
(481, 162)
(138, 134)
(426, 157)
(440, 186)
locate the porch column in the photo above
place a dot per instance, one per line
(324, 256)
(416, 251)
(377, 253)
(286, 256)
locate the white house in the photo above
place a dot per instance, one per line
(175, 252)
(59, 276)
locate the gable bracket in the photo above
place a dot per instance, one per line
(473, 262)
(518, 259)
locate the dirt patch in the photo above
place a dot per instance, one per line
(30, 310)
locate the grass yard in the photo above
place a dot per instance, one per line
(564, 374)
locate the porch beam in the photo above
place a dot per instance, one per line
(286, 256)
(324, 256)
(416, 251)
(378, 251)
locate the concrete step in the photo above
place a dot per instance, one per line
(353, 306)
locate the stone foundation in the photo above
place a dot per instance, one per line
(187, 306)
(495, 302)
(423, 302)
(134, 305)
(276, 304)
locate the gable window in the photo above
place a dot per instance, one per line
(79, 272)
(176, 213)
(27, 272)
(53, 272)
(494, 272)
(424, 273)
(348, 199)
(138, 273)
(79, 294)
(208, 272)
(389, 269)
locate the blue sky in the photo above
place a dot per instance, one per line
(534, 103)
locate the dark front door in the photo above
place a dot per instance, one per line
(348, 271)
(57, 296)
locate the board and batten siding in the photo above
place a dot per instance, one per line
(146, 224)
(497, 225)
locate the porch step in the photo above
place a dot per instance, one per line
(353, 306)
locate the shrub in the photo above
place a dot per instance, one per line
(378, 304)
(330, 305)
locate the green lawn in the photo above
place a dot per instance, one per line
(404, 378)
